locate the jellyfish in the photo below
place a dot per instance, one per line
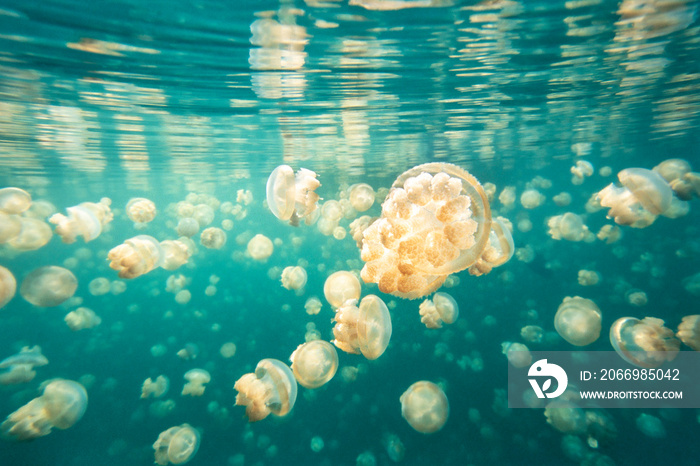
(10, 226)
(33, 234)
(140, 210)
(196, 379)
(272, 388)
(435, 221)
(361, 197)
(136, 256)
(86, 219)
(588, 277)
(672, 169)
(260, 247)
(609, 233)
(228, 350)
(187, 227)
(213, 238)
(531, 199)
(498, 250)
(562, 199)
(61, 405)
(532, 333)
(581, 170)
(687, 186)
(314, 363)
(341, 286)
(82, 318)
(650, 426)
(176, 445)
(48, 286)
(689, 331)
(17, 373)
(637, 298)
(565, 416)
(442, 309)
(174, 253)
(365, 329)
(518, 355)
(425, 407)
(8, 286)
(293, 277)
(578, 321)
(292, 197)
(155, 389)
(568, 226)
(14, 200)
(313, 305)
(26, 357)
(644, 343)
(203, 214)
(99, 286)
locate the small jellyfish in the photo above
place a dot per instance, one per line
(140, 210)
(568, 226)
(14, 200)
(565, 416)
(441, 309)
(292, 197)
(314, 363)
(588, 277)
(425, 407)
(531, 199)
(644, 343)
(636, 298)
(689, 331)
(86, 219)
(365, 329)
(361, 196)
(82, 318)
(313, 306)
(187, 227)
(48, 286)
(341, 286)
(176, 445)
(650, 426)
(272, 388)
(155, 388)
(228, 350)
(61, 405)
(213, 238)
(518, 355)
(609, 233)
(26, 357)
(203, 214)
(578, 321)
(260, 247)
(581, 170)
(136, 256)
(99, 286)
(294, 277)
(8, 286)
(196, 379)
(562, 199)
(174, 253)
(32, 235)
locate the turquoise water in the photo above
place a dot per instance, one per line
(163, 99)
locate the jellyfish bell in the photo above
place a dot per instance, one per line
(177, 445)
(293, 277)
(48, 286)
(187, 226)
(272, 388)
(365, 329)
(578, 321)
(33, 234)
(213, 238)
(425, 407)
(260, 247)
(565, 416)
(289, 196)
(518, 355)
(82, 318)
(136, 256)
(14, 200)
(672, 169)
(8, 286)
(314, 363)
(140, 210)
(644, 343)
(175, 253)
(10, 226)
(568, 226)
(361, 196)
(441, 309)
(341, 286)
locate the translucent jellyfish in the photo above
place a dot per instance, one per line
(687, 186)
(140, 210)
(650, 426)
(213, 238)
(32, 235)
(588, 277)
(155, 388)
(26, 357)
(196, 379)
(532, 333)
(99, 286)
(174, 253)
(203, 214)
(177, 445)
(365, 329)
(86, 219)
(293, 277)
(10, 226)
(498, 250)
(361, 196)
(672, 169)
(435, 221)
(136, 256)
(260, 247)
(272, 388)
(531, 198)
(562, 199)
(313, 305)
(292, 197)
(565, 416)
(578, 321)
(518, 354)
(691, 284)
(317, 444)
(644, 343)
(609, 233)
(580, 171)
(341, 286)
(507, 197)
(568, 226)
(689, 331)
(314, 363)
(441, 309)
(637, 298)
(14, 200)
(394, 447)
(8, 286)
(61, 405)
(82, 318)
(17, 373)
(183, 297)
(425, 407)
(228, 350)
(187, 227)
(48, 286)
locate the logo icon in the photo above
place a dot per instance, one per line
(542, 368)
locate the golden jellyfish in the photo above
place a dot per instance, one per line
(32, 235)
(272, 388)
(187, 227)
(292, 197)
(177, 445)
(10, 226)
(228, 350)
(341, 286)
(196, 379)
(498, 250)
(155, 388)
(17, 373)
(687, 186)
(365, 329)
(314, 363)
(425, 407)
(441, 309)
(637, 298)
(689, 331)
(203, 214)
(588, 277)
(313, 305)
(565, 416)
(673, 169)
(26, 357)
(581, 170)
(358, 226)
(578, 321)
(174, 253)
(48, 286)
(568, 226)
(562, 199)
(140, 210)
(14, 200)
(531, 198)
(99, 286)
(435, 221)
(294, 277)
(644, 343)
(213, 238)
(260, 247)
(609, 233)
(61, 405)
(8, 286)
(82, 318)
(518, 355)
(361, 197)
(136, 256)
(86, 220)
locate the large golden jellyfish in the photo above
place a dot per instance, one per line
(61, 405)
(578, 321)
(272, 388)
(365, 329)
(48, 286)
(292, 197)
(645, 343)
(498, 250)
(435, 221)
(425, 407)
(441, 309)
(176, 445)
(86, 219)
(14, 200)
(314, 363)
(341, 286)
(8, 286)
